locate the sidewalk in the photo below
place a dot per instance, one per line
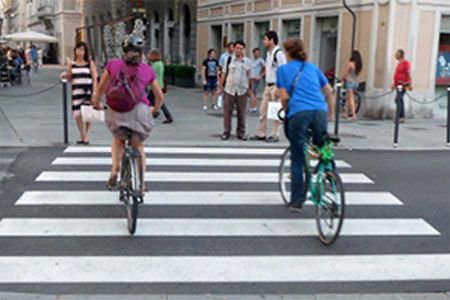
(38, 121)
(429, 296)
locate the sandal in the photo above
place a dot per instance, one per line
(80, 142)
(111, 184)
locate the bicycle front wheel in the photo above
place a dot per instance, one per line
(284, 176)
(330, 207)
(135, 189)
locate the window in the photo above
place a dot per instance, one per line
(237, 32)
(291, 28)
(260, 30)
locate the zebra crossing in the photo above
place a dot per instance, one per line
(205, 178)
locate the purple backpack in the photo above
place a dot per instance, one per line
(123, 91)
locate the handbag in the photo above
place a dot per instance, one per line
(90, 115)
(272, 110)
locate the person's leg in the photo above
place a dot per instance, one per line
(241, 105)
(205, 95)
(139, 145)
(351, 103)
(298, 128)
(262, 124)
(318, 126)
(166, 113)
(213, 85)
(79, 122)
(117, 147)
(87, 131)
(228, 106)
(402, 106)
(275, 123)
(253, 95)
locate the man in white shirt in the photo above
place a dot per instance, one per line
(224, 56)
(235, 82)
(275, 58)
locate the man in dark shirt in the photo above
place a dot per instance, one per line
(210, 73)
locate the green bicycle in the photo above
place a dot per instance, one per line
(324, 184)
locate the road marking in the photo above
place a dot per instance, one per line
(227, 177)
(186, 162)
(190, 198)
(210, 227)
(224, 269)
(186, 150)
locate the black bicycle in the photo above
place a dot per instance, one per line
(130, 184)
(343, 99)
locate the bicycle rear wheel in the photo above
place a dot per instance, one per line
(330, 208)
(357, 102)
(284, 176)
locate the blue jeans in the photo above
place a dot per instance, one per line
(297, 129)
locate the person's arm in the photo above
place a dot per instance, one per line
(220, 86)
(100, 90)
(282, 92)
(203, 74)
(159, 96)
(263, 70)
(329, 95)
(93, 75)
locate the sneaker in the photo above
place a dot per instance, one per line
(167, 121)
(205, 107)
(242, 137)
(273, 139)
(214, 107)
(257, 138)
(295, 207)
(225, 136)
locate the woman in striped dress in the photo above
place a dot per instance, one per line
(83, 76)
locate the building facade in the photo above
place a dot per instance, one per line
(420, 27)
(167, 25)
(53, 17)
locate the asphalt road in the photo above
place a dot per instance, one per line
(419, 180)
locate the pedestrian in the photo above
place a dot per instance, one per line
(351, 78)
(129, 109)
(155, 59)
(235, 83)
(402, 77)
(210, 74)
(34, 58)
(40, 52)
(228, 51)
(301, 86)
(275, 58)
(82, 73)
(257, 75)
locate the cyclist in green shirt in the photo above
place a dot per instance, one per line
(155, 60)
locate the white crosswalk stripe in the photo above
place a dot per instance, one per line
(242, 166)
(209, 227)
(190, 198)
(156, 176)
(221, 269)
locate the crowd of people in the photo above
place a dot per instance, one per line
(14, 63)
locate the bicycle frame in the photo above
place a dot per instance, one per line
(326, 163)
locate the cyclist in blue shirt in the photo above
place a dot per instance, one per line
(301, 85)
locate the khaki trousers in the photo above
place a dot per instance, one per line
(229, 102)
(268, 96)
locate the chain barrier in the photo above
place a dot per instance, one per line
(427, 101)
(33, 93)
(377, 96)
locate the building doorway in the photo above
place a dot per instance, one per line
(326, 44)
(443, 65)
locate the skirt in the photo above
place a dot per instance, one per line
(139, 120)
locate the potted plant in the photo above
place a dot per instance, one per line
(184, 76)
(169, 71)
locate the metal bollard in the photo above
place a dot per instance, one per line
(337, 107)
(448, 116)
(65, 121)
(397, 114)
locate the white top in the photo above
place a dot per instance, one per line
(271, 66)
(238, 76)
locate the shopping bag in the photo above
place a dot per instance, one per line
(220, 101)
(89, 114)
(272, 110)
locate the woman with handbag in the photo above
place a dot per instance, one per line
(82, 73)
(154, 57)
(301, 95)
